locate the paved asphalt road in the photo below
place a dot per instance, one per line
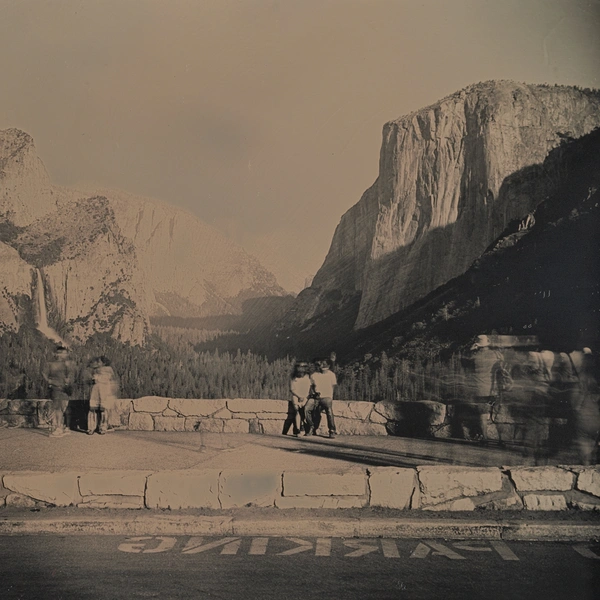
(77, 567)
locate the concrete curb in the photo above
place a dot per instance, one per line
(411, 528)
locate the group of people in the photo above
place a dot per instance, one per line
(530, 384)
(312, 393)
(524, 384)
(60, 377)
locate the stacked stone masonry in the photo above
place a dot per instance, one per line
(430, 488)
(409, 419)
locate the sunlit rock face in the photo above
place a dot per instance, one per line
(89, 278)
(444, 191)
(191, 268)
(25, 190)
(108, 259)
(16, 278)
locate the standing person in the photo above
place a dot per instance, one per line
(59, 375)
(482, 383)
(531, 389)
(586, 406)
(500, 392)
(300, 388)
(102, 396)
(323, 382)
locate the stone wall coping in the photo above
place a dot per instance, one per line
(368, 470)
(408, 488)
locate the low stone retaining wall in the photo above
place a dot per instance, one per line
(409, 419)
(429, 488)
(154, 413)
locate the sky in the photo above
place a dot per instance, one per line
(262, 117)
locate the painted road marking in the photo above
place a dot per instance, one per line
(471, 547)
(303, 546)
(258, 546)
(390, 550)
(133, 545)
(423, 550)
(503, 550)
(195, 545)
(322, 547)
(362, 548)
(586, 551)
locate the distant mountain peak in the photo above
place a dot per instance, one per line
(13, 141)
(25, 188)
(111, 258)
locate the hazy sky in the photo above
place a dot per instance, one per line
(262, 117)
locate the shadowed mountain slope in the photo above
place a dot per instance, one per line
(440, 199)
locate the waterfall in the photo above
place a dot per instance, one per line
(42, 314)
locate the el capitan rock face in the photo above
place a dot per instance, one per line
(109, 260)
(443, 193)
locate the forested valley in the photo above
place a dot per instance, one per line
(170, 366)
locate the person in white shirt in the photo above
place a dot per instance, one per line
(300, 385)
(323, 382)
(103, 395)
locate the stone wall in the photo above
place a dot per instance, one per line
(154, 413)
(430, 488)
(421, 419)
(241, 416)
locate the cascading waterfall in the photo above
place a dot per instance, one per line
(42, 324)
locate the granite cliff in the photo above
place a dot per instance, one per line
(192, 269)
(26, 192)
(109, 260)
(444, 193)
(540, 277)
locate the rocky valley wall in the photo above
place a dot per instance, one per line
(442, 195)
(16, 280)
(110, 259)
(192, 269)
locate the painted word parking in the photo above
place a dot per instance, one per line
(320, 547)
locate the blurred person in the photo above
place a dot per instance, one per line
(300, 387)
(59, 374)
(564, 387)
(481, 385)
(530, 396)
(103, 395)
(502, 385)
(323, 384)
(586, 409)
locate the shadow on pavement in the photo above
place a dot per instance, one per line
(380, 457)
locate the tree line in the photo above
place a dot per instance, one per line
(169, 366)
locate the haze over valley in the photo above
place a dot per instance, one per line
(278, 181)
